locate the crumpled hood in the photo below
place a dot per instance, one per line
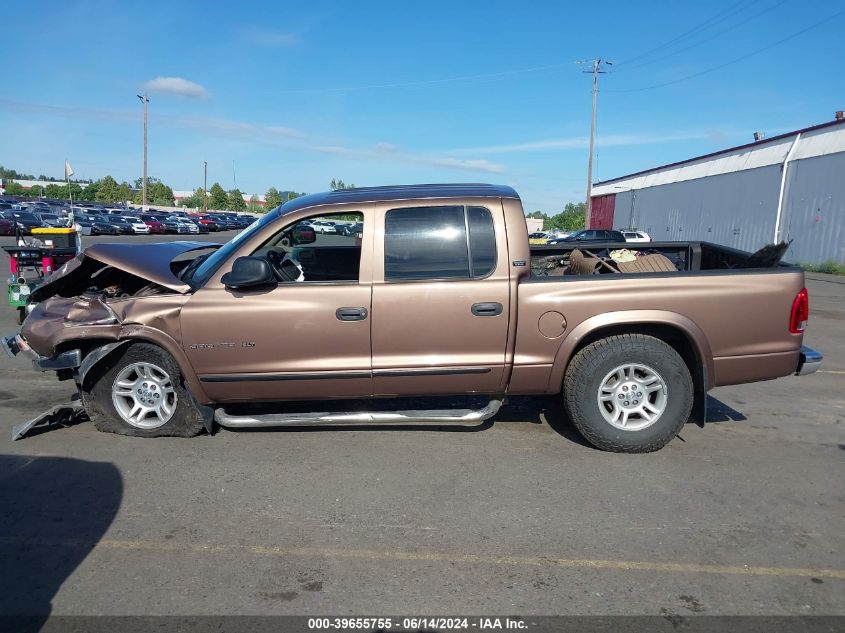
(148, 261)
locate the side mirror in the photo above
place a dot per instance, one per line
(303, 235)
(249, 272)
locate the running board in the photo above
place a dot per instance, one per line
(463, 417)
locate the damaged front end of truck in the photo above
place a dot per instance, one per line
(107, 296)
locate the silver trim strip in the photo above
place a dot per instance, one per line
(467, 417)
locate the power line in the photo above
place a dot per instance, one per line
(738, 59)
(719, 17)
(708, 39)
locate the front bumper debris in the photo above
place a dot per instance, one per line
(15, 344)
(66, 360)
(60, 415)
(809, 362)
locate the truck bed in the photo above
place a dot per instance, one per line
(552, 262)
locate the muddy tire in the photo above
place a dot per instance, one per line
(138, 390)
(630, 393)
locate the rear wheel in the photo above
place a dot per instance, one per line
(628, 394)
(138, 390)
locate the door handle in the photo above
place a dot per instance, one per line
(351, 314)
(489, 308)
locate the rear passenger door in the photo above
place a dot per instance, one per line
(440, 298)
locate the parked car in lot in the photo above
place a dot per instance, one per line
(204, 220)
(98, 224)
(443, 296)
(236, 220)
(151, 221)
(224, 222)
(353, 229)
(123, 226)
(183, 225)
(25, 220)
(138, 225)
(51, 219)
(590, 235)
(538, 237)
(324, 226)
(636, 236)
(7, 227)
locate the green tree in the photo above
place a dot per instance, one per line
(89, 193)
(15, 189)
(293, 194)
(124, 192)
(570, 219)
(235, 200)
(55, 191)
(160, 194)
(334, 185)
(107, 190)
(195, 200)
(217, 198)
(272, 198)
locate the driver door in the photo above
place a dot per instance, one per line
(307, 337)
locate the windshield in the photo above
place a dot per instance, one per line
(213, 261)
(26, 216)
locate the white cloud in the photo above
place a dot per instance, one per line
(176, 86)
(582, 142)
(268, 37)
(268, 135)
(467, 165)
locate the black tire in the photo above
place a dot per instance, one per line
(186, 421)
(587, 370)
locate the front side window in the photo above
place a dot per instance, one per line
(438, 242)
(320, 248)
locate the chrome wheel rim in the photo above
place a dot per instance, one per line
(143, 395)
(632, 397)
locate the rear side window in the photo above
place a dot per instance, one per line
(442, 242)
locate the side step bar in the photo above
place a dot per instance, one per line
(465, 417)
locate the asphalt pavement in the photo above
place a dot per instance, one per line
(517, 516)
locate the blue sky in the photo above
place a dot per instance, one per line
(386, 92)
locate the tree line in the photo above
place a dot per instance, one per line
(570, 219)
(106, 190)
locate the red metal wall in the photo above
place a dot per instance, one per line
(601, 216)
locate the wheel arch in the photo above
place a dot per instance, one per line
(100, 349)
(678, 331)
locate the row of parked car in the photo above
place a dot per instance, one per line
(589, 235)
(335, 228)
(92, 219)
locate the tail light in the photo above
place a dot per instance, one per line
(800, 312)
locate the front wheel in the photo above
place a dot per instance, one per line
(630, 393)
(138, 390)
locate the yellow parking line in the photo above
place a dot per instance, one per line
(426, 557)
(830, 371)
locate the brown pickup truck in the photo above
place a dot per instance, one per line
(411, 291)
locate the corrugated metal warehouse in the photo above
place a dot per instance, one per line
(789, 187)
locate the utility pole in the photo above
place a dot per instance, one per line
(596, 71)
(234, 178)
(145, 100)
(205, 186)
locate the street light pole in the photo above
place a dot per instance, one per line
(145, 100)
(205, 186)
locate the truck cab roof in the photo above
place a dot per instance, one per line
(401, 192)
